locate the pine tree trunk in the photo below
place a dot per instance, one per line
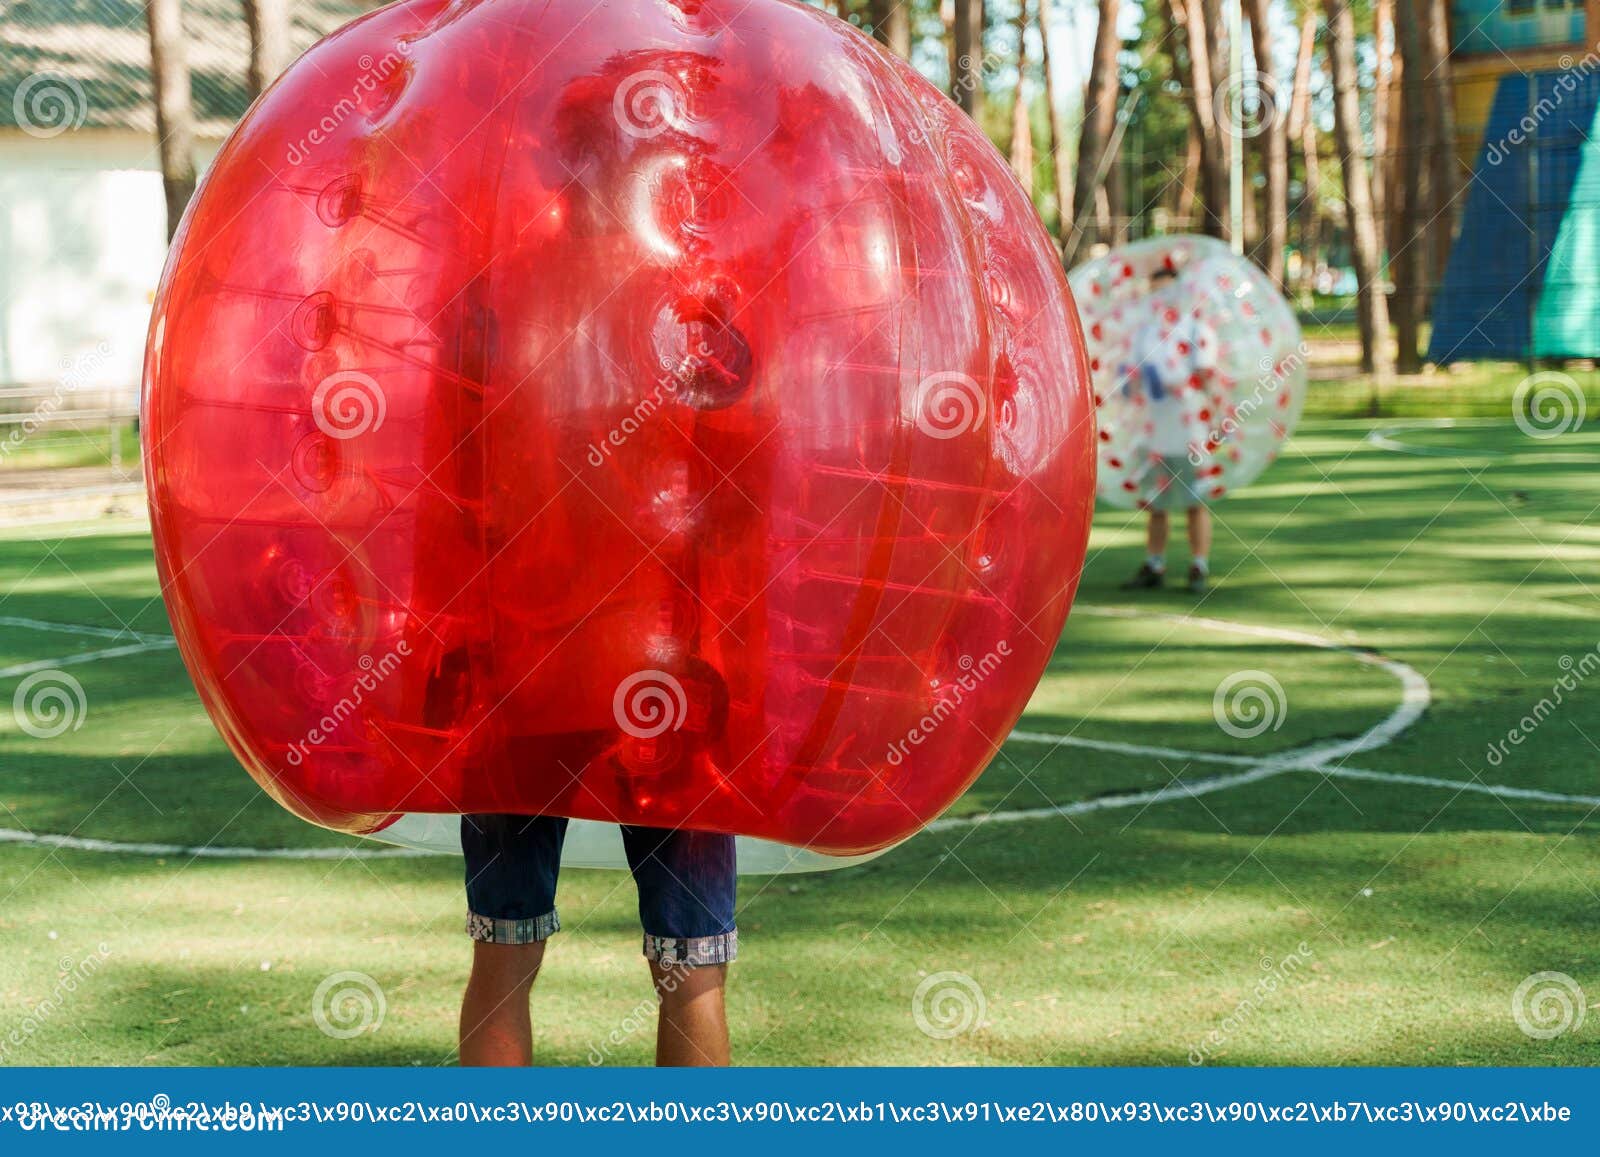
(967, 77)
(1116, 206)
(1311, 234)
(1099, 121)
(1390, 171)
(1021, 127)
(270, 46)
(169, 78)
(1444, 166)
(1385, 48)
(1408, 255)
(891, 25)
(1188, 185)
(1274, 138)
(1217, 58)
(1371, 307)
(1188, 16)
(1060, 169)
(1302, 130)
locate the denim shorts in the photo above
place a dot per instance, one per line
(1177, 483)
(686, 883)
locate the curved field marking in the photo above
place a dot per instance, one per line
(1383, 437)
(81, 657)
(1575, 528)
(1175, 791)
(207, 852)
(1194, 788)
(159, 638)
(1316, 757)
(1414, 692)
(141, 642)
(1494, 789)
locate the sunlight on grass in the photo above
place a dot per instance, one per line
(1114, 937)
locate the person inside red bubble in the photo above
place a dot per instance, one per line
(686, 880)
(1173, 353)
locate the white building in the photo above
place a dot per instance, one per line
(82, 216)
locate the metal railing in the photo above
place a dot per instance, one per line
(63, 425)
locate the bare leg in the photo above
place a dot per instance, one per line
(1199, 532)
(693, 1026)
(1156, 536)
(495, 1029)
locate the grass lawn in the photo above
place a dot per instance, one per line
(1478, 389)
(68, 446)
(1394, 919)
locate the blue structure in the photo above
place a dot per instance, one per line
(1524, 275)
(1493, 27)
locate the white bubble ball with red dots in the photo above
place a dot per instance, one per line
(1199, 369)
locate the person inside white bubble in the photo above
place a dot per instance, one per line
(1171, 358)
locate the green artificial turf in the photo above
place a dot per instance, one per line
(70, 445)
(1478, 390)
(1394, 920)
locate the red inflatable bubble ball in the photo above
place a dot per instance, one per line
(666, 413)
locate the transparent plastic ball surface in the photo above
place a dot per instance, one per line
(658, 413)
(1199, 369)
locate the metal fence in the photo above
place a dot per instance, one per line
(40, 425)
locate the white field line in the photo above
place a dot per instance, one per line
(81, 629)
(80, 657)
(1414, 699)
(1176, 791)
(1384, 437)
(1494, 789)
(210, 851)
(141, 642)
(1414, 693)
(1318, 757)
(1190, 789)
